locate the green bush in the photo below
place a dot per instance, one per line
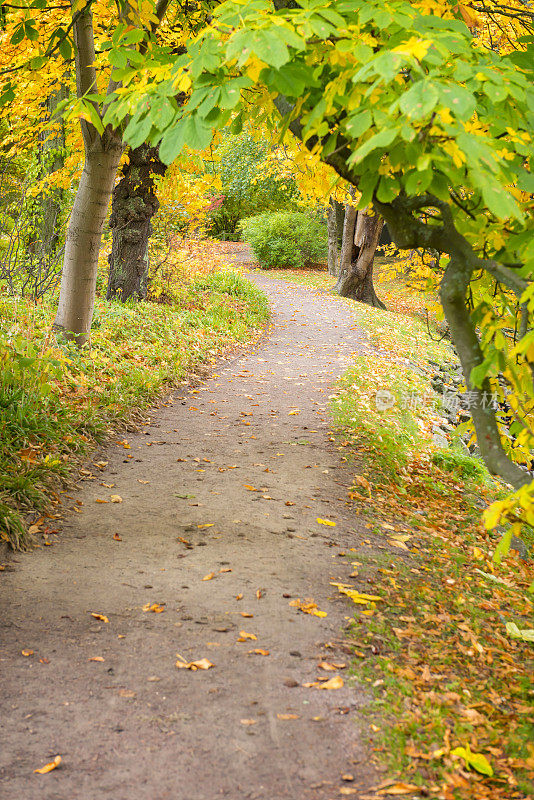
(285, 239)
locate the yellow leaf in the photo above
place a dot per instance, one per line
(292, 413)
(203, 663)
(243, 636)
(326, 665)
(356, 597)
(157, 608)
(248, 721)
(326, 522)
(116, 498)
(246, 614)
(206, 525)
(308, 606)
(288, 716)
(95, 658)
(400, 788)
(101, 617)
(239, 596)
(27, 652)
(250, 488)
(50, 766)
(334, 683)
(258, 652)
(209, 576)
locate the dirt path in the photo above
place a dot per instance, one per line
(241, 469)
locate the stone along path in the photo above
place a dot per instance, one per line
(229, 481)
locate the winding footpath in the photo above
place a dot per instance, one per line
(227, 480)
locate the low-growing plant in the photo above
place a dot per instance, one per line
(285, 239)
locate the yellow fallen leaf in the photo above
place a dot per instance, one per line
(295, 411)
(398, 543)
(330, 667)
(249, 487)
(347, 777)
(246, 614)
(346, 790)
(310, 684)
(334, 683)
(259, 593)
(50, 766)
(27, 653)
(206, 525)
(400, 788)
(258, 652)
(95, 658)
(209, 576)
(357, 597)
(101, 617)
(243, 636)
(225, 569)
(116, 498)
(239, 596)
(203, 663)
(308, 606)
(326, 522)
(288, 716)
(248, 721)
(157, 608)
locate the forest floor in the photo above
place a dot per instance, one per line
(207, 536)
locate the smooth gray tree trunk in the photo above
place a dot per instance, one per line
(331, 223)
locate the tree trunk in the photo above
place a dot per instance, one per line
(134, 203)
(331, 222)
(82, 245)
(357, 259)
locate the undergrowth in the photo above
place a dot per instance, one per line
(56, 402)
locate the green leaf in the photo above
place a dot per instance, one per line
(526, 634)
(137, 131)
(377, 141)
(475, 760)
(458, 99)
(418, 182)
(420, 100)
(359, 123)
(501, 551)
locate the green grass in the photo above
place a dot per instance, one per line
(56, 402)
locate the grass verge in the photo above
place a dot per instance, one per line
(56, 402)
(452, 715)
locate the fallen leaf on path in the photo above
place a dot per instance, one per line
(246, 614)
(239, 596)
(330, 667)
(101, 617)
(203, 663)
(258, 652)
(288, 716)
(243, 636)
(209, 576)
(346, 790)
(248, 721)
(289, 503)
(98, 500)
(127, 693)
(326, 522)
(400, 788)
(117, 537)
(206, 525)
(295, 411)
(308, 606)
(260, 593)
(116, 498)
(157, 608)
(249, 487)
(347, 777)
(44, 661)
(225, 569)
(27, 652)
(96, 658)
(334, 683)
(140, 481)
(50, 766)
(398, 543)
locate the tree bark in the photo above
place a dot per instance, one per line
(134, 203)
(331, 223)
(82, 245)
(84, 232)
(360, 240)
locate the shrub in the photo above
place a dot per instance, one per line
(285, 239)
